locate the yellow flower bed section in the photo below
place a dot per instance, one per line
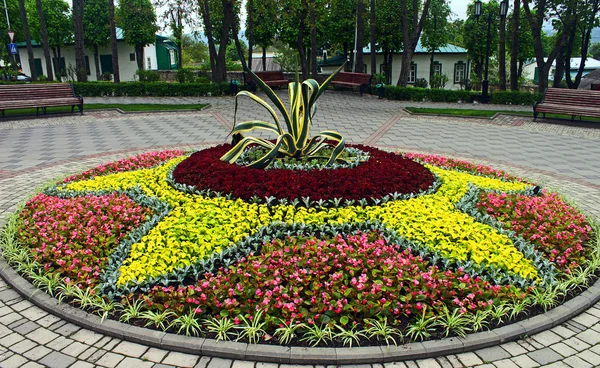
(199, 226)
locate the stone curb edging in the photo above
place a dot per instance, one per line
(301, 355)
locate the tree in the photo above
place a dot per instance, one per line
(80, 69)
(372, 37)
(12, 7)
(264, 26)
(389, 39)
(455, 32)
(44, 39)
(586, 19)
(595, 50)
(27, 39)
(313, 39)
(250, 31)
(195, 52)
(96, 24)
(537, 12)
(435, 30)
(340, 25)
(176, 15)
(59, 29)
(473, 30)
(113, 42)
(232, 52)
(412, 24)
(514, 50)
(360, 29)
(524, 47)
(138, 21)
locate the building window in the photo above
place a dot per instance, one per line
(172, 57)
(412, 75)
(459, 72)
(38, 67)
(437, 68)
(149, 63)
(132, 56)
(106, 64)
(61, 68)
(87, 66)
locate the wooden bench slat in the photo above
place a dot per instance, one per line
(569, 102)
(20, 96)
(352, 80)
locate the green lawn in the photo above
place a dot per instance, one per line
(488, 113)
(124, 107)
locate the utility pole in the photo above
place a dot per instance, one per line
(8, 26)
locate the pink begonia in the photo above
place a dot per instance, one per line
(68, 236)
(556, 229)
(141, 161)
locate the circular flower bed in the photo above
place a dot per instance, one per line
(398, 248)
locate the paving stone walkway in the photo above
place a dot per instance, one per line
(33, 151)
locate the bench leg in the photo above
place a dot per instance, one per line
(44, 110)
(544, 115)
(80, 109)
(72, 109)
(37, 111)
(535, 115)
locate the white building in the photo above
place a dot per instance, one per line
(160, 55)
(449, 60)
(530, 70)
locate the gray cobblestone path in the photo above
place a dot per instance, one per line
(34, 151)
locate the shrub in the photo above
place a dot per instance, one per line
(157, 89)
(439, 81)
(147, 75)
(185, 75)
(515, 98)
(421, 83)
(420, 94)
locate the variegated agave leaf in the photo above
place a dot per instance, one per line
(295, 142)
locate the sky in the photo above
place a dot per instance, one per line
(459, 8)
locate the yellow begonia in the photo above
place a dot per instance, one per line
(199, 226)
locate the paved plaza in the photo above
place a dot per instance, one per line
(560, 155)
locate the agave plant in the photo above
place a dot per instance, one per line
(294, 142)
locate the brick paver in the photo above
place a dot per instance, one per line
(33, 151)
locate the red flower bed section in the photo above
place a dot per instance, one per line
(141, 161)
(552, 226)
(382, 174)
(75, 236)
(350, 278)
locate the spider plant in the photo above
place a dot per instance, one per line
(316, 334)
(253, 329)
(381, 330)
(222, 327)
(500, 311)
(188, 323)
(157, 319)
(454, 322)
(479, 320)
(421, 327)
(131, 310)
(48, 281)
(286, 332)
(294, 142)
(349, 336)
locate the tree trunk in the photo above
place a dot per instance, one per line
(139, 56)
(45, 44)
(585, 42)
(264, 59)
(431, 66)
(299, 43)
(27, 39)
(559, 72)
(536, 21)
(80, 69)
(205, 12)
(220, 72)
(502, 54)
(347, 57)
(514, 49)
(372, 39)
(313, 40)
(97, 62)
(409, 38)
(250, 32)
(359, 62)
(238, 45)
(113, 42)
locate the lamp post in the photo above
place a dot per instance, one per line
(503, 10)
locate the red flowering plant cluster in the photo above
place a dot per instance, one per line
(75, 236)
(347, 278)
(141, 161)
(556, 229)
(384, 173)
(461, 165)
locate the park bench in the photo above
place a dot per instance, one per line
(272, 78)
(352, 80)
(574, 102)
(40, 96)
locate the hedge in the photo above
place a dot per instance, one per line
(446, 95)
(158, 89)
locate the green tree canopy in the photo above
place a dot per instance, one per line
(138, 21)
(59, 22)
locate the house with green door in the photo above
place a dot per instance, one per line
(162, 55)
